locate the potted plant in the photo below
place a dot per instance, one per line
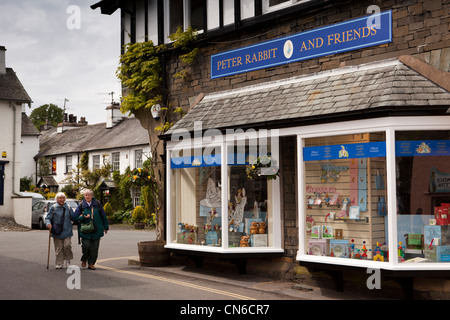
(138, 217)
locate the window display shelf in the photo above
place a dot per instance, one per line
(366, 220)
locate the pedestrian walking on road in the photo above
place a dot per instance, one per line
(90, 210)
(59, 222)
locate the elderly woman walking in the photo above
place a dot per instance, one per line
(59, 222)
(90, 210)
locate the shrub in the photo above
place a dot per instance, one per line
(108, 209)
(138, 214)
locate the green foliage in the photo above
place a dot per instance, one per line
(50, 112)
(70, 190)
(141, 71)
(138, 214)
(25, 183)
(84, 161)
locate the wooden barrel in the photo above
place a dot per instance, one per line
(153, 254)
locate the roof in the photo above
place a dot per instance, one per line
(48, 181)
(28, 128)
(388, 83)
(127, 133)
(11, 88)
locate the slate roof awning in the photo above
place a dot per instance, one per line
(47, 181)
(329, 94)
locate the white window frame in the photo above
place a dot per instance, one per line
(96, 165)
(267, 9)
(186, 19)
(388, 125)
(115, 162)
(69, 163)
(230, 139)
(138, 158)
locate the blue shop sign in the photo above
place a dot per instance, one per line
(422, 148)
(341, 37)
(345, 151)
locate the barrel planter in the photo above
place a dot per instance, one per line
(153, 254)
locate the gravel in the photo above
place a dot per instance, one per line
(8, 224)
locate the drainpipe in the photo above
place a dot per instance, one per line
(11, 104)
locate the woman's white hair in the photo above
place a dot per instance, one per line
(60, 194)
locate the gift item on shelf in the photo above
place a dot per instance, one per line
(438, 233)
(441, 214)
(245, 241)
(382, 207)
(258, 240)
(318, 247)
(316, 232)
(343, 214)
(309, 224)
(339, 248)
(437, 253)
(378, 254)
(354, 213)
(327, 232)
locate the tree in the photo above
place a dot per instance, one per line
(50, 112)
(141, 74)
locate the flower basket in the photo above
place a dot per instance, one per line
(263, 166)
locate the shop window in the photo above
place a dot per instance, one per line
(345, 196)
(206, 207)
(195, 200)
(423, 195)
(250, 212)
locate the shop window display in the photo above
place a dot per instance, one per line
(196, 198)
(196, 204)
(423, 195)
(345, 189)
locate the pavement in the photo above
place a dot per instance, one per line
(283, 288)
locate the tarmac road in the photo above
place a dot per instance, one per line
(24, 276)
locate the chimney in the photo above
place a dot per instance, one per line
(113, 115)
(2, 60)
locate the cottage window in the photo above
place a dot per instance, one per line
(68, 164)
(96, 162)
(138, 158)
(115, 161)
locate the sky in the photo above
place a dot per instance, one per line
(62, 49)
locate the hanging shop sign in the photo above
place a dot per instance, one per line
(341, 37)
(345, 151)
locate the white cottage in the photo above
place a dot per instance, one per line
(121, 141)
(12, 97)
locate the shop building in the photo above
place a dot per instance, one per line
(316, 135)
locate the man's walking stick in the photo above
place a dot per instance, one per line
(48, 256)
